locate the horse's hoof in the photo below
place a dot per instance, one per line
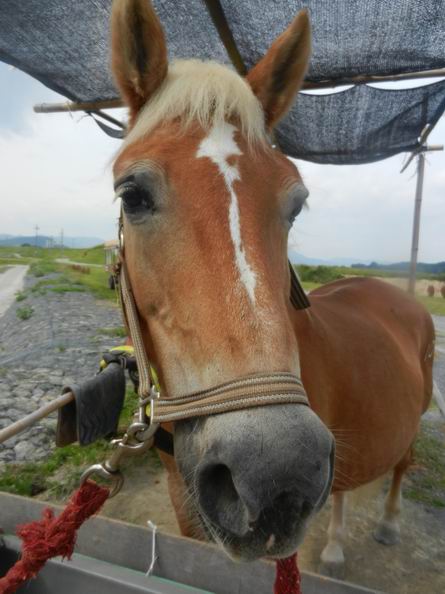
(332, 561)
(332, 569)
(387, 534)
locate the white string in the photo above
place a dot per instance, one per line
(154, 558)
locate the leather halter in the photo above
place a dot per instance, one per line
(245, 392)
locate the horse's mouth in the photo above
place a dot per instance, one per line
(269, 537)
(258, 545)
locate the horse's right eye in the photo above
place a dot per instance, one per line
(135, 198)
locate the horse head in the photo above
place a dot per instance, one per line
(207, 205)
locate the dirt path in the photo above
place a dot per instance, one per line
(11, 281)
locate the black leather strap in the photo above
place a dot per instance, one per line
(298, 297)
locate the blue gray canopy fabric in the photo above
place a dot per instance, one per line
(65, 45)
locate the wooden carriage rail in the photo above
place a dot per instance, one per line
(180, 559)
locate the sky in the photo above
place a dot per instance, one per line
(56, 173)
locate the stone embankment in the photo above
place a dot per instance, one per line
(60, 343)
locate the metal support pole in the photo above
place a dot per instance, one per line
(416, 224)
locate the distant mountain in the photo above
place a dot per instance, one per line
(5, 236)
(46, 241)
(434, 268)
(297, 258)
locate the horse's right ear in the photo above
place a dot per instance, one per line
(139, 52)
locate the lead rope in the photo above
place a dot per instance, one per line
(288, 578)
(51, 537)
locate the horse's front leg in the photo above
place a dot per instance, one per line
(332, 557)
(388, 529)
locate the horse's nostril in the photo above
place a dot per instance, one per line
(216, 483)
(220, 500)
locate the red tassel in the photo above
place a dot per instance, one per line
(288, 579)
(51, 537)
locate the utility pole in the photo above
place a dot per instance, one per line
(423, 148)
(37, 235)
(416, 224)
(61, 240)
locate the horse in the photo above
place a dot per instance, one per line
(207, 203)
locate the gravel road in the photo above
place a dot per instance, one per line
(59, 344)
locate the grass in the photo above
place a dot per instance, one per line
(118, 331)
(24, 313)
(21, 295)
(34, 477)
(93, 255)
(427, 478)
(4, 269)
(43, 267)
(435, 305)
(309, 286)
(96, 282)
(67, 289)
(319, 274)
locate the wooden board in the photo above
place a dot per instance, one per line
(181, 560)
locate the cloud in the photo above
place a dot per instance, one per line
(58, 175)
(366, 211)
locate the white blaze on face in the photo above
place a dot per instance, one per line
(218, 146)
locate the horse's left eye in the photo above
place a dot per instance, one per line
(135, 198)
(295, 212)
(298, 199)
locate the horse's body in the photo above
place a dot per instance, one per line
(207, 204)
(365, 356)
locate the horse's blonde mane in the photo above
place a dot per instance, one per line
(206, 92)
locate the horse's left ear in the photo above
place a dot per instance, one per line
(278, 76)
(138, 51)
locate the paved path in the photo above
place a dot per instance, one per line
(11, 281)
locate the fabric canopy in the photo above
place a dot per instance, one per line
(64, 44)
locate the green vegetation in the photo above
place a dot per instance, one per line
(313, 276)
(24, 313)
(28, 254)
(3, 269)
(118, 331)
(43, 267)
(96, 282)
(427, 478)
(318, 274)
(34, 477)
(68, 289)
(435, 305)
(20, 296)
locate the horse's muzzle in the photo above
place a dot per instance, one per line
(257, 475)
